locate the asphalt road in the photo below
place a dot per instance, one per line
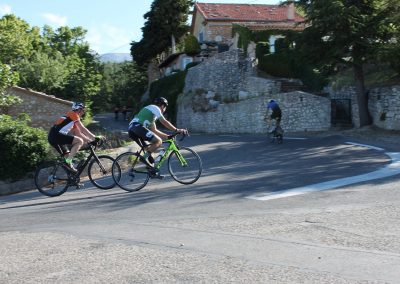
(211, 231)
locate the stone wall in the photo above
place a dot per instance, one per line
(301, 112)
(43, 109)
(383, 105)
(223, 74)
(221, 32)
(221, 95)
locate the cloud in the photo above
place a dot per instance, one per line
(5, 9)
(108, 38)
(54, 19)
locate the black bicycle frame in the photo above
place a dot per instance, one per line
(83, 166)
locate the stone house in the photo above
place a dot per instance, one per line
(43, 109)
(213, 22)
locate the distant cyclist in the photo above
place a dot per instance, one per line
(143, 125)
(276, 111)
(68, 129)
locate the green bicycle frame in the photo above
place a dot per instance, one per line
(172, 147)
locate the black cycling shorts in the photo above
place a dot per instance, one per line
(136, 129)
(276, 114)
(59, 141)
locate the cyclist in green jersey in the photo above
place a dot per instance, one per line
(143, 125)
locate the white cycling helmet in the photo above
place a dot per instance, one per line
(78, 106)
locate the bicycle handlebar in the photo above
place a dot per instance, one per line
(173, 135)
(97, 142)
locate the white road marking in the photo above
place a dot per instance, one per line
(293, 138)
(389, 170)
(366, 146)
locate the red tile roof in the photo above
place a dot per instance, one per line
(245, 12)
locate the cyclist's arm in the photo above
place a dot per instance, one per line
(170, 126)
(84, 133)
(159, 133)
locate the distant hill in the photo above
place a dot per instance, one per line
(115, 57)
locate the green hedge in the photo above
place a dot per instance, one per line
(21, 147)
(262, 48)
(288, 64)
(277, 64)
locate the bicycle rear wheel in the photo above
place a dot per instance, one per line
(51, 178)
(129, 173)
(185, 166)
(100, 172)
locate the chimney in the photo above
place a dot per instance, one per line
(290, 12)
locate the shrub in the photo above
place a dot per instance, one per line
(289, 64)
(281, 44)
(262, 48)
(192, 46)
(277, 64)
(21, 147)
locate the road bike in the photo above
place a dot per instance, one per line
(131, 171)
(53, 178)
(274, 131)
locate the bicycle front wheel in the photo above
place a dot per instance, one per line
(185, 166)
(51, 179)
(129, 173)
(100, 172)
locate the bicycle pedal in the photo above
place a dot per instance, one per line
(80, 186)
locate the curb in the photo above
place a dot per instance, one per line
(7, 188)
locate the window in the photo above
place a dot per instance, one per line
(201, 36)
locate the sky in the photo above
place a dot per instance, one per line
(111, 25)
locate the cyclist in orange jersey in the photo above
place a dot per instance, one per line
(68, 129)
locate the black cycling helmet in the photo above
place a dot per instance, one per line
(160, 101)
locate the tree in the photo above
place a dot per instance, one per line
(80, 64)
(165, 21)
(43, 72)
(8, 78)
(123, 84)
(349, 32)
(16, 39)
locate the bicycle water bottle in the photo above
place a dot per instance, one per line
(160, 155)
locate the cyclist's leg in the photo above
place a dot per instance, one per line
(62, 139)
(147, 135)
(137, 130)
(59, 143)
(77, 143)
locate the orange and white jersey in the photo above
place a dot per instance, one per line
(65, 123)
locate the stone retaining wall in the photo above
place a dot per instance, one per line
(383, 105)
(223, 74)
(247, 116)
(221, 95)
